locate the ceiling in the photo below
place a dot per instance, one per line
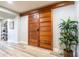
(23, 6)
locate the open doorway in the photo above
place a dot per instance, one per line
(4, 31)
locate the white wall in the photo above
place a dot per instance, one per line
(77, 17)
(23, 30)
(0, 29)
(13, 34)
(57, 15)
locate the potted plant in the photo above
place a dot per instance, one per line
(68, 36)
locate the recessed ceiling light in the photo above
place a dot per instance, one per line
(11, 2)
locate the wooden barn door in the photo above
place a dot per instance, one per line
(45, 29)
(40, 29)
(34, 29)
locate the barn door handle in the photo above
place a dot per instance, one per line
(38, 29)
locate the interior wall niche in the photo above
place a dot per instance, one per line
(4, 31)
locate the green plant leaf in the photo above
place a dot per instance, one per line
(69, 33)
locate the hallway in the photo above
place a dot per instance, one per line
(35, 32)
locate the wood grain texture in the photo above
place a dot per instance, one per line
(40, 26)
(33, 29)
(45, 29)
(45, 45)
(44, 19)
(45, 24)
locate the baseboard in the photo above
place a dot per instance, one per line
(22, 42)
(57, 50)
(11, 42)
